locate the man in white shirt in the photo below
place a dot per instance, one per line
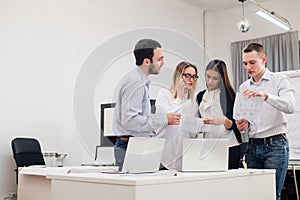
(268, 146)
(132, 115)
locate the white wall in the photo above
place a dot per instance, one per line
(43, 48)
(221, 25)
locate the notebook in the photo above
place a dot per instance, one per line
(143, 155)
(205, 155)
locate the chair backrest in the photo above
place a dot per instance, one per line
(27, 152)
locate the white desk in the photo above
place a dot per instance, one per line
(33, 184)
(233, 185)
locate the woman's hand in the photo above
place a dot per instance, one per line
(217, 120)
(173, 118)
(181, 89)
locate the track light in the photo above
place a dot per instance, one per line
(273, 17)
(275, 20)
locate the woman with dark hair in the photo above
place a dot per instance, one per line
(216, 107)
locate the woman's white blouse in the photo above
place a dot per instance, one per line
(165, 102)
(209, 107)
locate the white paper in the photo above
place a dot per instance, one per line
(108, 120)
(193, 125)
(93, 169)
(247, 108)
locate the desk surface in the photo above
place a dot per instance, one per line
(294, 162)
(43, 171)
(153, 178)
(193, 186)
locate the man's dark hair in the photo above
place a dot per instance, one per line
(254, 47)
(144, 49)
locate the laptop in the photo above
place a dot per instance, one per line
(143, 155)
(205, 155)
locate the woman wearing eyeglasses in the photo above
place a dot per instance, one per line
(178, 98)
(216, 107)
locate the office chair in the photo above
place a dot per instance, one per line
(26, 152)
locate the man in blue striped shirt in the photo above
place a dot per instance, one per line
(268, 146)
(132, 116)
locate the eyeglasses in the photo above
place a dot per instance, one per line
(189, 76)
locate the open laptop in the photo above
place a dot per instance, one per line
(143, 155)
(205, 155)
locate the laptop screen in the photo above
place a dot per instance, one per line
(205, 155)
(143, 155)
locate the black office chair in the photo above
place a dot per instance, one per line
(26, 152)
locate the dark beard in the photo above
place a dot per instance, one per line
(152, 69)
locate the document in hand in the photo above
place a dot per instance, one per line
(193, 125)
(247, 108)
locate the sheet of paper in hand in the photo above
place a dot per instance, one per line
(193, 125)
(247, 108)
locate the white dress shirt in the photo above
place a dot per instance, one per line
(281, 100)
(132, 115)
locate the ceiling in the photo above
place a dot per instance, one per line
(215, 5)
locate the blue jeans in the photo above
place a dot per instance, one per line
(120, 150)
(270, 156)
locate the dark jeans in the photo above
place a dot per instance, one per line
(120, 150)
(270, 156)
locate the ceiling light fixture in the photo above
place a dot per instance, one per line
(244, 25)
(273, 17)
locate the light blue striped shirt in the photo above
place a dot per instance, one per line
(132, 115)
(281, 101)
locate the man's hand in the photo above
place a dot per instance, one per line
(255, 93)
(242, 124)
(173, 118)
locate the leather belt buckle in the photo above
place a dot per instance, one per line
(124, 138)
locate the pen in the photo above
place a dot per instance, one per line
(176, 111)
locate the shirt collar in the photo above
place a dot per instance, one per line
(266, 76)
(143, 76)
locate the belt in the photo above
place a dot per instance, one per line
(124, 137)
(266, 140)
